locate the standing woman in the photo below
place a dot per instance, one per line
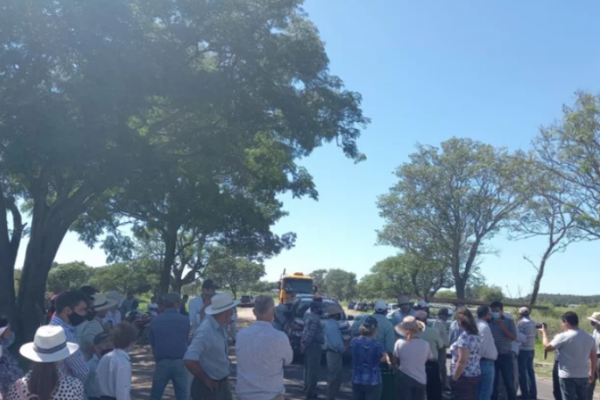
(45, 381)
(410, 355)
(465, 371)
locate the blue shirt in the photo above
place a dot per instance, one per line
(398, 316)
(385, 331)
(366, 356)
(211, 349)
(168, 335)
(74, 365)
(333, 337)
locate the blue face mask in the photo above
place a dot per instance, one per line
(7, 342)
(496, 315)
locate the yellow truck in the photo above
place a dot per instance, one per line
(294, 285)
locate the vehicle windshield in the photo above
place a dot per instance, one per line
(295, 286)
(303, 305)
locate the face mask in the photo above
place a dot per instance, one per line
(90, 315)
(7, 342)
(76, 319)
(495, 315)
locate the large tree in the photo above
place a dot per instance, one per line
(92, 92)
(340, 284)
(234, 273)
(450, 200)
(70, 276)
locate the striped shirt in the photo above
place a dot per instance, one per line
(504, 344)
(74, 365)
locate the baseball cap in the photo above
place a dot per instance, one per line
(370, 323)
(209, 284)
(524, 311)
(380, 306)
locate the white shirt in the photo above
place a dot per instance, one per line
(261, 352)
(195, 306)
(113, 318)
(114, 375)
(488, 347)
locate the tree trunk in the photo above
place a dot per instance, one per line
(538, 280)
(460, 285)
(170, 241)
(9, 247)
(176, 285)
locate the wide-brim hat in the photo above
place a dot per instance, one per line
(410, 324)
(403, 300)
(49, 345)
(221, 302)
(101, 302)
(595, 317)
(333, 309)
(116, 296)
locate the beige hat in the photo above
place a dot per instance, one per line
(524, 311)
(410, 324)
(595, 317)
(101, 302)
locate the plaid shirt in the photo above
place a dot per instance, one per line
(313, 330)
(74, 365)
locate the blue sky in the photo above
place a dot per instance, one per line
(494, 71)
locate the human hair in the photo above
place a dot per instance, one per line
(367, 332)
(483, 311)
(571, 318)
(70, 299)
(43, 380)
(123, 335)
(263, 304)
(465, 320)
(170, 302)
(3, 321)
(497, 304)
(185, 296)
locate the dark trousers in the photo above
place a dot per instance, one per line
(312, 364)
(201, 392)
(556, 382)
(527, 374)
(408, 388)
(593, 384)
(574, 388)
(504, 367)
(366, 392)
(465, 388)
(434, 383)
(335, 371)
(388, 382)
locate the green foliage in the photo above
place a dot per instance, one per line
(450, 200)
(486, 293)
(340, 284)
(71, 276)
(319, 280)
(135, 276)
(235, 273)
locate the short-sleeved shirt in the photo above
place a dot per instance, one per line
(385, 333)
(473, 344)
(413, 355)
(504, 344)
(432, 336)
(211, 349)
(366, 356)
(575, 347)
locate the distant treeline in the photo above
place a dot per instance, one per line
(564, 300)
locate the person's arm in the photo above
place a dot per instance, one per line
(390, 338)
(77, 365)
(338, 341)
(309, 331)
(151, 337)
(549, 346)
(461, 364)
(192, 360)
(123, 382)
(286, 350)
(355, 326)
(508, 328)
(593, 364)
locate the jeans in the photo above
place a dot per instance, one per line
(486, 386)
(556, 382)
(170, 370)
(366, 392)
(504, 367)
(574, 388)
(335, 370)
(201, 392)
(408, 388)
(312, 363)
(434, 383)
(527, 375)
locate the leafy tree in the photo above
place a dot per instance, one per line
(486, 293)
(450, 201)
(94, 92)
(138, 276)
(69, 276)
(340, 284)
(234, 273)
(372, 286)
(319, 280)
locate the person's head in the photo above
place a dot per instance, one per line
(443, 314)
(316, 306)
(88, 290)
(465, 320)
(369, 327)
(497, 309)
(484, 313)
(595, 320)
(222, 308)
(49, 347)
(102, 305)
(185, 298)
(381, 307)
(404, 304)
(410, 327)
(334, 311)
(130, 295)
(209, 288)
(153, 299)
(124, 335)
(102, 344)
(172, 301)
(7, 336)
(570, 320)
(523, 312)
(264, 308)
(421, 315)
(72, 307)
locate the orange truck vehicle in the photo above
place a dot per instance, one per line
(294, 285)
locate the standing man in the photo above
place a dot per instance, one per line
(127, 304)
(504, 331)
(404, 310)
(595, 321)
(489, 354)
(262, 351)
(432, 369)
(334, 345)
(168, 334)
(199, 303)
(526, 354)
(71, 310)
(440, 324)
(577, 360)
(311, 344)
(207, 357)
(101, 306)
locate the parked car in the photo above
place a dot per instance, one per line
(247, 301)
(351, 305)
(362, 306)
(393, 307)
(294, 326)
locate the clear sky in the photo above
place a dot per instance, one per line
(494, 71)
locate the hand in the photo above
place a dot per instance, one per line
(500, 322)
(592, 377)
(211, 385)
(542, 328)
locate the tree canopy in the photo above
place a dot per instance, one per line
(235, 273)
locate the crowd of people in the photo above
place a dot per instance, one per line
(83, 351)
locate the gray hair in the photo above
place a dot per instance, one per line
(263, 304)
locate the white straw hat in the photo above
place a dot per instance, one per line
(49, 345)
(595, 317)
(221, 302)
(101, 302)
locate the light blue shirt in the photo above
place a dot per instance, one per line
(399, 316)
(454, 332)
(333, 337)
(211, 349)
(385, 331)
(92, 388)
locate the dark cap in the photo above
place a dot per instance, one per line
(172, 299)
(101, 338)
(209, 284)
(370, 323)
(444, 312)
